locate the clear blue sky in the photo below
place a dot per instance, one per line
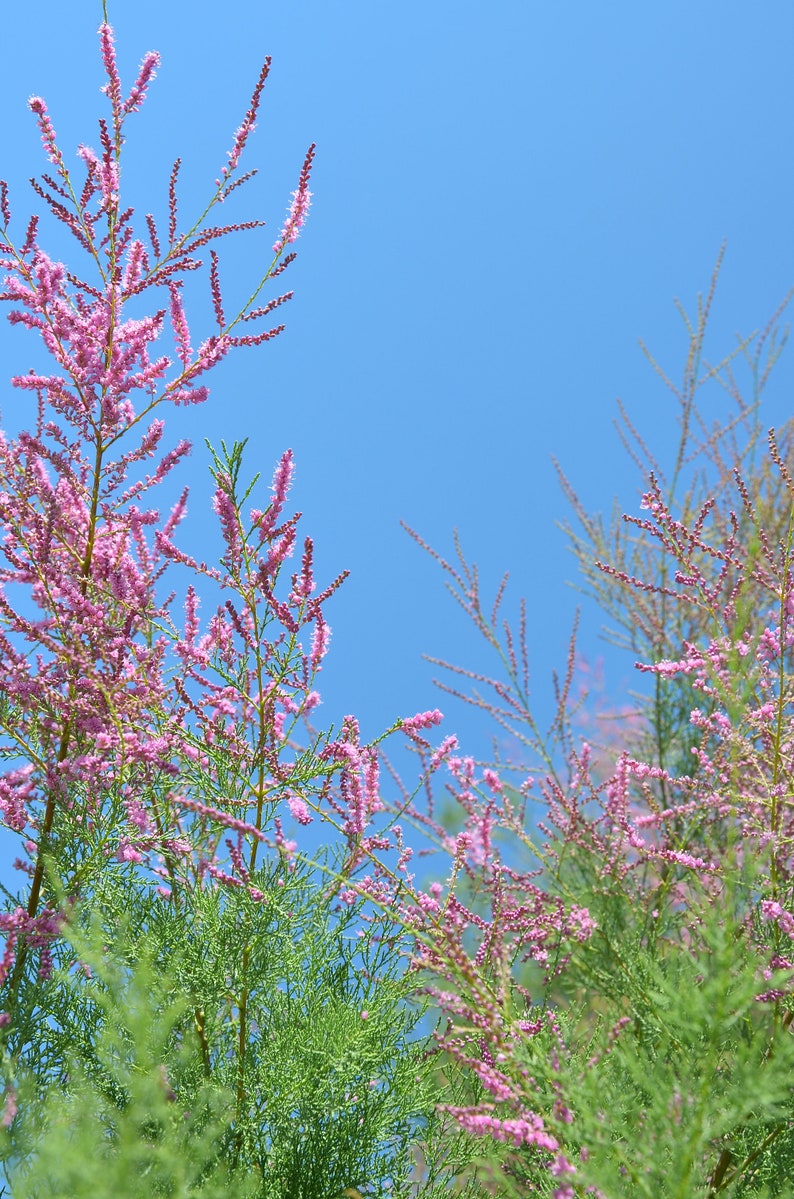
(507, 196)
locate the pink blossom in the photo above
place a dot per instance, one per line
(48, 137)
(321, 637)
(772, 911)
(113, 86)
(299, 208)
(127, 852)
(444, 749)
(299, 809)
(9, 1108)
(148, 68)
(246, 129)
(423, 720)
(525, 1130)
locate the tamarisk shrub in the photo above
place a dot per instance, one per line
(651, 624)
(618, 982)
(184, 1009)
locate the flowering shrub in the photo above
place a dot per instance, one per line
(619, 985)
(194, 998)
(177, 981)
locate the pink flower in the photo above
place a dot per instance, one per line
(298, 210)
(9, 1108)
(422, 720)
(299, 809)
(48, 136)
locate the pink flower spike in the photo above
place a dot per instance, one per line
(112, 88)
(282, 479)
(422, 720)
(151, 62)
(127, 852)
(180, 327)
(561, 1165)
(298, 210)
(321, 637)
(445, 748)
(299, 810)
(249, 122)
(9, 1108)
(492, 779)
(48, 138)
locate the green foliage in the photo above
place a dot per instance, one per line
(334, 1088)
(688, 1079)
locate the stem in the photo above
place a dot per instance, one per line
(723, 1177)
(259, 791)
(66, 737)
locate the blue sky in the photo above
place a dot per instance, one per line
(507, 196)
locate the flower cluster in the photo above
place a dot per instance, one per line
(613, 979)
(666, 853)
